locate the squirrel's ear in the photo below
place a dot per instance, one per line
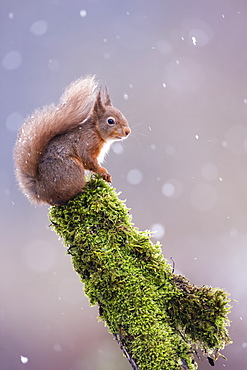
(99, 107)
(107, 98)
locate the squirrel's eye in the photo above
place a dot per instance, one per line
(111, 121)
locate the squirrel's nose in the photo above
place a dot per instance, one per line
(127, 131)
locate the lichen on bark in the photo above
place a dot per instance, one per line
(159, 319)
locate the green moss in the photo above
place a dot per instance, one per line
(158, 318)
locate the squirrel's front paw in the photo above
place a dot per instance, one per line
(107, 177)
(104, 174)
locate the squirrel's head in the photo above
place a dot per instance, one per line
(109, 121)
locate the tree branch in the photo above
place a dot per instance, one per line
(158, 318)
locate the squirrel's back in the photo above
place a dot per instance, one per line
(43, 125)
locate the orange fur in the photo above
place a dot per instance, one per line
(57, 143)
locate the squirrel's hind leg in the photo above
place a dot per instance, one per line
(61, 181)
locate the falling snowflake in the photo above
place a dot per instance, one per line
(83, 13)
(24, 359)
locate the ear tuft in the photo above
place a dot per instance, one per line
(99, 107)
(107, 97)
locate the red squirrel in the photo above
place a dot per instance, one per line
(56, 144)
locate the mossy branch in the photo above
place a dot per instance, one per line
(158, 318)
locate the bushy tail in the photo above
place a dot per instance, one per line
(39, 128)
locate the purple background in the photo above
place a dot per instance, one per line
(178, 71)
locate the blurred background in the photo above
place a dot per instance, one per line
(178, 71)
